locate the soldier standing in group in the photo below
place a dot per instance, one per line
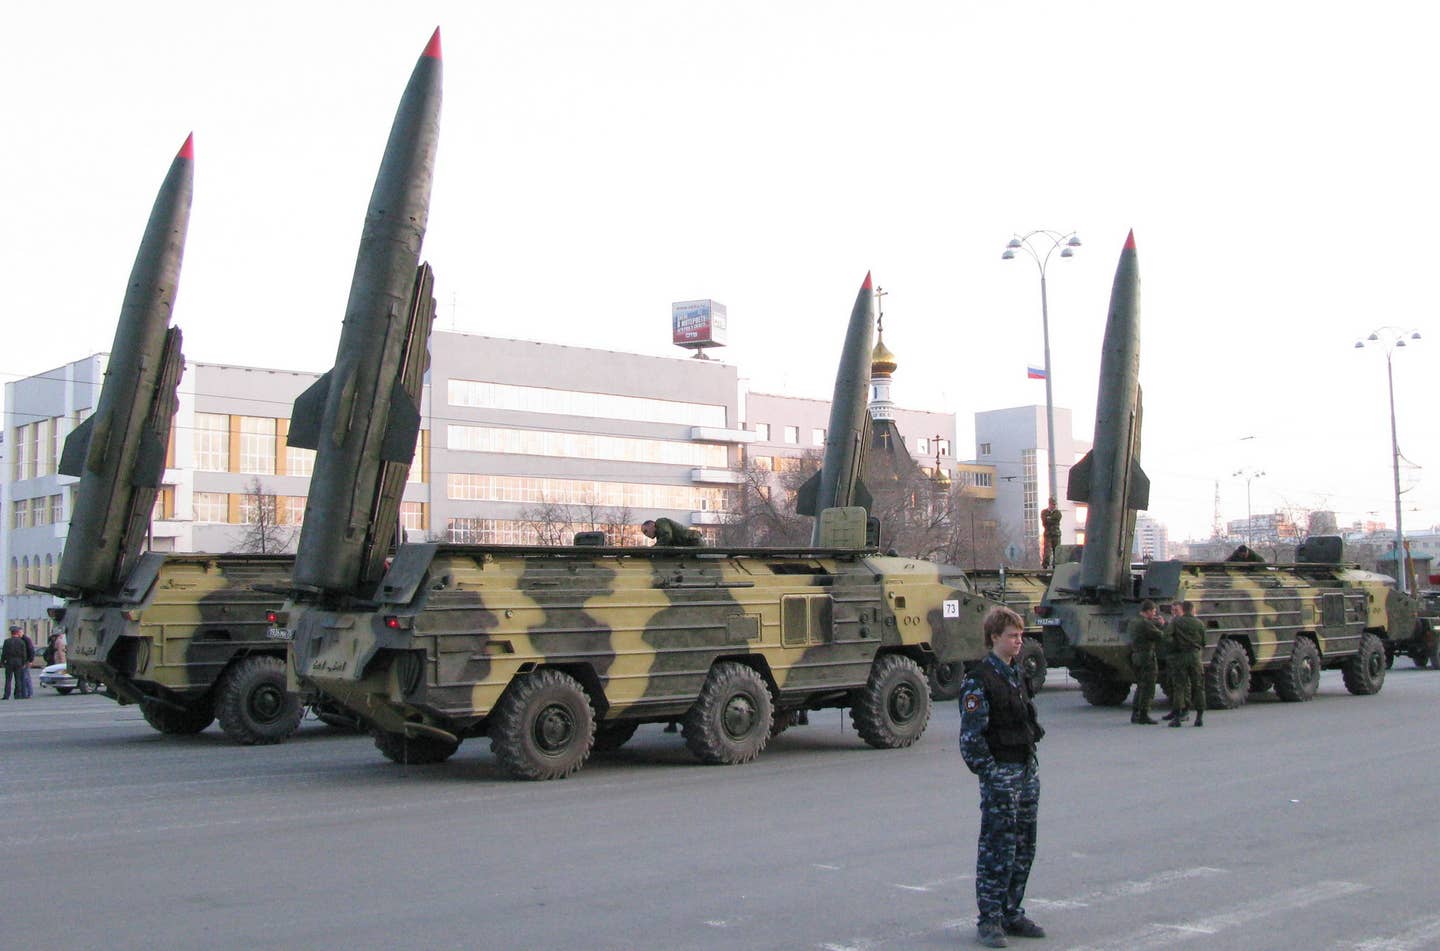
(1187, 686)
(1050, 519)
(16, 654)
(668, 532)
(998, 733)
(1145, 638)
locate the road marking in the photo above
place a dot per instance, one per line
(1162, 935)
(828, 868)
(1125, 889)
(925, 887)
(1423, 934)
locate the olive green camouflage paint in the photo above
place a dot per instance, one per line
(171, 639)
(639, 629)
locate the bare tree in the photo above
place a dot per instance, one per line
(263, 532)
(762, 506)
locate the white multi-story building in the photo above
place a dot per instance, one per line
(1014, 442)
(1151, 541)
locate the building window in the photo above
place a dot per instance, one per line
(538, 399)
(212, 507)
(291, 509)
(534, 442)
(212, 442)
(792, 435)
(257, 445)
(922, 446)
(299, 462)
(762, 432)
(23, 464)
(764, 463)
(942, 447)
(253, 507)
(817, 437)
(984, 449)
(20, 517)
(57, 509)
(412, 516)
(581, 493)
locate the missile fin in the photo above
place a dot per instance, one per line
(402, 428)
(1078, 490)
(805, 496)
(1139, 488)
(149, 461)
(77, 447)
(861, 496)
(305, 416)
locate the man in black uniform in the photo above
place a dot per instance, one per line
(998, 733)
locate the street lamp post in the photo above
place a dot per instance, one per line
(1066, 244)
(1248, 475)
(1391, 338)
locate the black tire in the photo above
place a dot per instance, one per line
(1364, 673)
(1227, 679)
(64, 691)
(252, 704)
(1420, 657)
(613, 735)
(893, 708)
(177, 722)
(730, 721)
(1299, 679)
(544, 726)
(1103, 691)
(417, 750)
(1033, 665)
(945, 681)
(86, 685)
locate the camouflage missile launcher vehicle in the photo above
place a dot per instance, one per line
(1268, 625)
(188, 639)
(554, 652)
(1021, 590)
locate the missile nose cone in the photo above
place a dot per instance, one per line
(187, 151)
(432, 49)
(866, 285)
(1130, 241)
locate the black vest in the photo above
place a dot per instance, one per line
(1014, 729)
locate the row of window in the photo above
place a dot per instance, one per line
(534, 442)
(539, 399)
(33, 513)
(38, 446)
(246, 508)
(474, 487)
(790, 435)
(32, 570)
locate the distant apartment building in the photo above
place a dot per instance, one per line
(1014, 441)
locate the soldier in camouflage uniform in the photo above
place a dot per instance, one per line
(1187, 689)
(1050, 518)
(668, 532)
(1145, 637)
(998, 733)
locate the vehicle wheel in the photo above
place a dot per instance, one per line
(1298, 680)
(1033, 665)
(177, 722)
(730, 721)
(64, 691)
(893, 708)
(1103, 691)
(1260, 682)
(1227, 679)
(1420, 657)
(1365, 672)
(945, 681)
(544, 727)
(417, 750)
(252, 704)
(612, 736)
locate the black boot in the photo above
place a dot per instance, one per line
(1200, 718)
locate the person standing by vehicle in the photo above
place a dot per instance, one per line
(1050, 517)
(1187, 640)
(998, 734)
(17, 653)
(1145, 637)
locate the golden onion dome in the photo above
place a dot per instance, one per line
(882, 361)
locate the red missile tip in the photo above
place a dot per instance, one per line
(866, 285)
(187, 151)
(1130, 241)
(432, 49)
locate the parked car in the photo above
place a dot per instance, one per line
(57, 676)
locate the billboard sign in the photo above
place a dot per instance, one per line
(698, 323)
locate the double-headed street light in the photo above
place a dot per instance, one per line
(1392, 338)
(1249, 475)
(1066, 244)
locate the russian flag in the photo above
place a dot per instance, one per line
(1034, 373)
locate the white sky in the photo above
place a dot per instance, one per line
(599, 160)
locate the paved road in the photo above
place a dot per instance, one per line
(1276, 826)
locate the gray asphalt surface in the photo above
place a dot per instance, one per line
(1276, 826)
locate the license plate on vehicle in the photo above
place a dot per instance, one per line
(1048, 621)
(280, 634)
